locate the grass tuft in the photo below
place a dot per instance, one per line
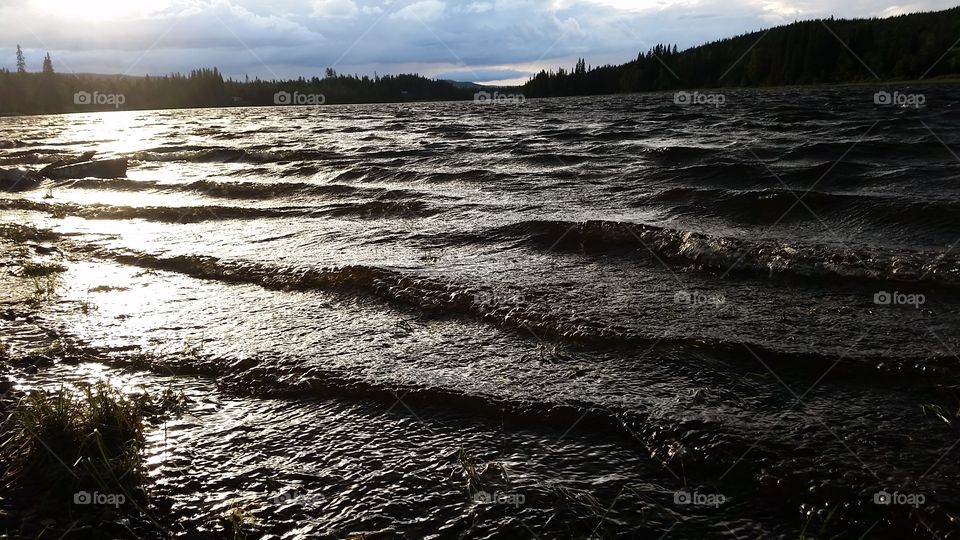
(90, 442)
(61, 443)
(480, 476)
(41, 269)
(45, 277)
(239, 521)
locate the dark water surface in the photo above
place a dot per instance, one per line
(614, 306)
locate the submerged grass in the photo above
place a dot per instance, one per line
(41, 269)
(239, 521)
(481, 477)
(45, 277)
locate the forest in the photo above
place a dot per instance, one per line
(906, 47)
(23, 92)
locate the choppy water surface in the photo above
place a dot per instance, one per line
(618, 305)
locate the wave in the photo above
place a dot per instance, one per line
(868, 150)
(453, 298)
(165, 214)
(701, 441)
(229, 155)
(31, 157)
(474, 175)
(675, 155)
(704, 251)
(376, 174)
(24, 158)
(573, 134)
(194, 214)
(226, 190)
(555, 159)
(693, 438)
(781, 205)
(382, 209)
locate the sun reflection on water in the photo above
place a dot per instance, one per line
(114, 132)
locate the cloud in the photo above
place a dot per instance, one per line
(479, 7)
(334, 8)
(473, 39)
(424, 10)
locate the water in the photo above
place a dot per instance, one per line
(616, 302)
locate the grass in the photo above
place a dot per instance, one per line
(45, 288)
(59, 443)
(41, 269)
(166, 403)
(90, 442)
(15, 233)
(238, 521)
(475, 473)
(45, 277)
(86, 307)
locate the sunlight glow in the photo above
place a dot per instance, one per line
(115, 132)
(98, 10)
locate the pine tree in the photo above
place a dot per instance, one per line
(21, 61)
(47, 65)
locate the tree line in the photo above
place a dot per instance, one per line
(47, 92)
(906, 47)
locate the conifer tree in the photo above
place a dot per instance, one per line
(21, 61)
(47, 65)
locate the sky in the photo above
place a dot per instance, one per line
(484, 41)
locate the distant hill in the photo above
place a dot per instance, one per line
(464, 85)
(825, 51)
